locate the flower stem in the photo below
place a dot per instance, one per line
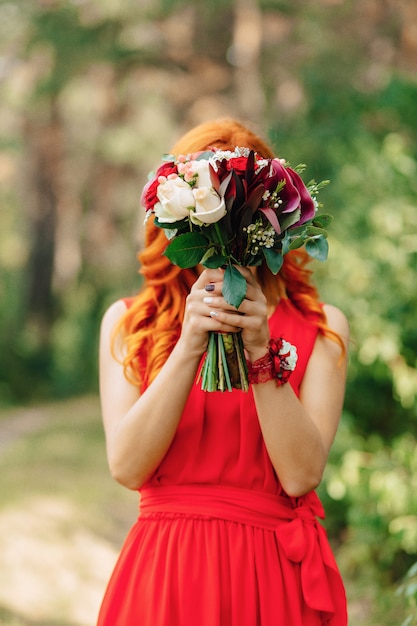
(224, 367)
(220, 238)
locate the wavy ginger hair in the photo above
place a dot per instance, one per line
(152, 324)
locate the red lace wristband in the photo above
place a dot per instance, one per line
(277, 364)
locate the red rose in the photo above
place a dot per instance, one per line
(238, 164)
(149, 197)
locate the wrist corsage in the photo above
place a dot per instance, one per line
(277, 364)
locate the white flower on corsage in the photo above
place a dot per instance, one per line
(291, 355)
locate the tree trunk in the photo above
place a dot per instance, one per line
(245, 54)
(44, 148)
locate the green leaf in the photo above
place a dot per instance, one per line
(288, 219)
(214, 261)
(170, 233)
(313, 231)
(205, 156)
(187, 250)
(253, 261)
(170, 158)
(299, 168)
(179, 225)
(299, 230)
(314, 187)
(297, 243)
(318, 248)
(273, 259)
(286, 240)
(234, 286)
(323, 221)
(208, 253)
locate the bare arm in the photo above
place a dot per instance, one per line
(298, 433)
(140, 428)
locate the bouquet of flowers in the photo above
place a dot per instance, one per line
(233, 208)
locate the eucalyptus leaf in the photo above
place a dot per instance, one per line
(298, 230)
(170, 233)
(170, 158)
(286, 220)
(318, 248)
(234, 286)
(297, 243)
(323, 221)
(205, 156)
(286, 241)
(313, 231)
(273, 259)
(187, 250)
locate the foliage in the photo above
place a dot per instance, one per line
(381, 484)
(373, 261)
(88, 65)
(370, 494)
(92, 92)
(408, 592)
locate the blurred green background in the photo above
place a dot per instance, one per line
(92, 92)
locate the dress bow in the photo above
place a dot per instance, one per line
(303, 541)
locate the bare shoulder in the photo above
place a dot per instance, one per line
(117, 393)
(113, 313)
(337, 321)
(110, 318)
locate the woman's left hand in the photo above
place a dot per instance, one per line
(251, 316)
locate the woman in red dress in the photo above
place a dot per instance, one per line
(227, 533)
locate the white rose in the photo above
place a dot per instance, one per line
(175, 200)
(203, 170)
(209, 207)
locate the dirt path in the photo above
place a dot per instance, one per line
(61, 516)
(18, 423)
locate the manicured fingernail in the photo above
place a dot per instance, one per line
(208, 300)
(209, 287)
(213, 314)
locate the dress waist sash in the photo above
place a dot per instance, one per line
(299, 535)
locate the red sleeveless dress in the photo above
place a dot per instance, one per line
(217, 541)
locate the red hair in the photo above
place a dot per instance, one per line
(152, 325)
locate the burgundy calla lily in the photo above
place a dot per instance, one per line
(307, 206)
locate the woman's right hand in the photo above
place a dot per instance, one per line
(206, 310)
(199, 317)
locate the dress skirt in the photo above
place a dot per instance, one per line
(225, 556)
